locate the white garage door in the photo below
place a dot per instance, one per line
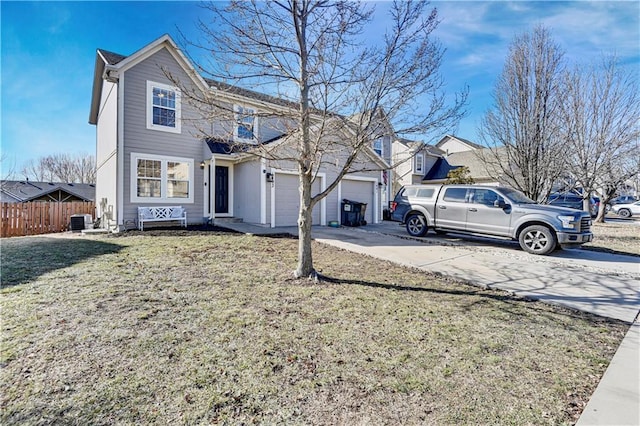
(361, 192)
(287, 202)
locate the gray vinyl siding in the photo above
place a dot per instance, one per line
(106, 154)
(246, 191)
(271, 128)
(139, 139)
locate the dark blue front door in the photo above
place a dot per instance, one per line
(222, 189)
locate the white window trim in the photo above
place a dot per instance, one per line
(236, 122)
(150, 125)
(135, 156)
(420, 163)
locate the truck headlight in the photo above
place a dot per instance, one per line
(568, 222)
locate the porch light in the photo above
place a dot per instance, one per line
(202, 165)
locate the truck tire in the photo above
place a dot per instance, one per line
(416, 225)
(626, 213)
(538, 239)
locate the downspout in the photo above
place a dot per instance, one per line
(263, 191)
(212, 189)
(120, 148)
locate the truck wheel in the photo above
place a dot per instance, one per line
(416, 225)
(537, 239)
(626, 213)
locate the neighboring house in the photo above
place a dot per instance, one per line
(12, 191)
(473, 160)
(457, 152)
(150, 149)
(412, 160)
(450, 144)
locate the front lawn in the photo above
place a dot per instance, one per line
(199, 328)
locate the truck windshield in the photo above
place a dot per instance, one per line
(517, 196)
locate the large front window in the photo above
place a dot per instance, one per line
(163, 107)
(161, 179)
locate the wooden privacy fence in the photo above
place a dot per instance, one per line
(40, 217)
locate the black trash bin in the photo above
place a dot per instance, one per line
(353, 213)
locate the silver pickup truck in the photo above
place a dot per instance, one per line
(490, 211)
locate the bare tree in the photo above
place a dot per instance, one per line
(521, 129)
(337, 87)
(62, 168)
(600, 129)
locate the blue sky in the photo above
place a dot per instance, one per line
(48, 52)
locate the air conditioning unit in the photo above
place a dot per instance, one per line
(80, 222)
(77, 222)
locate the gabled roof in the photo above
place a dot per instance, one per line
(111, 65)
(110, 57)
(416, 146)
(471, 145)
(23, 191)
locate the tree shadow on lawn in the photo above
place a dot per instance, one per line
(484, 295)
(25, 259)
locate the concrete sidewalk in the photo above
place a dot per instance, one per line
(616, 400)
(601, 283)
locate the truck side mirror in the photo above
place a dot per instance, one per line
(499, 203)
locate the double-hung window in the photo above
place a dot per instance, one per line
(245, 124)
(163, 107)
(378, 146)
(156, 178)
(419, 163)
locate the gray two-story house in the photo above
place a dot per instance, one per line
(153, 148)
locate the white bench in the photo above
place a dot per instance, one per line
(161, 214)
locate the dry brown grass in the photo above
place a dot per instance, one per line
(621, 237)
(191, 328)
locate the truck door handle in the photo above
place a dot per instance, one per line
(442, 207)
(473, 209)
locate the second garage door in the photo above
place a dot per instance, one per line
(287, 200)
(361, 192)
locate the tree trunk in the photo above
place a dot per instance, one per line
(305, 258)
(601, 213)
(305, 164)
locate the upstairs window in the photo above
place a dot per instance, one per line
(245, 119)
(378, 146)
(163, 107)
(419, 163)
